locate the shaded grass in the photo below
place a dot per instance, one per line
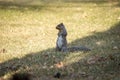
(28, 35)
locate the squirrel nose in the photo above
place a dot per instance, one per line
(57, 27)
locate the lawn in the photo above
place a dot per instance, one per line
(28, 38)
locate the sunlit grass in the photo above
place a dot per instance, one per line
(28, 35)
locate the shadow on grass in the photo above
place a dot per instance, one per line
(19, 6)
(118, 4)
(41, 64)
(27, 4)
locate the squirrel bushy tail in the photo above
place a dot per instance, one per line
(78, 48)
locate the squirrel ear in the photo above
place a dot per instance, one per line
(61, 23)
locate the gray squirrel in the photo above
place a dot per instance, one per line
(61, 43)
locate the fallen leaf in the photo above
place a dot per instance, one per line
(84, 74)
(44, 67)
(111, 57)
(115, 47)
(92, 60)
(98, 43)
(46, 55)
(102, 59)
(95, 59)
(51, 67)
(59, 65)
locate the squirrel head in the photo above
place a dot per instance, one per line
(60, 26)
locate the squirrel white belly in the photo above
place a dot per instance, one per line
(60, 41)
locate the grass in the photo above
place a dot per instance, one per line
(28, 36)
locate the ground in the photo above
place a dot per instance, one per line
(28, 39)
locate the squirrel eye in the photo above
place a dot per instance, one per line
(59, 25)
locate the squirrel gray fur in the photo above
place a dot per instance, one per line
(61, 43)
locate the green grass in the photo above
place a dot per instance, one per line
(28, 36)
